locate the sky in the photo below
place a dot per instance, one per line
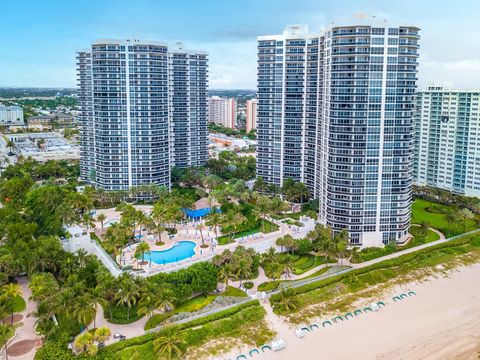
(39, 38)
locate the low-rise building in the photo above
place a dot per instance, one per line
(11, 115)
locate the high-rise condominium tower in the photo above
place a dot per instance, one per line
(188, 99)
(134, 96)
(447, 141)
(335, 111)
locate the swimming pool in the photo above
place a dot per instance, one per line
(180, 251)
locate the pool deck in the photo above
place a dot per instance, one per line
(188, 232)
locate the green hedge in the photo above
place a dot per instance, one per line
(120, 314)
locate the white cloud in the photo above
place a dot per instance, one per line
(232, 65)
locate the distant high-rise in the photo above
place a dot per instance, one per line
(129, 115)
(335, 111)
(222, 111)
(251, 120)
(447, 141)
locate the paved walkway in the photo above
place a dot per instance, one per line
(380, 259)
(129, 330)
(412, 249)
(26, 330)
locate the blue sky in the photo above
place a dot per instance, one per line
(40, 37)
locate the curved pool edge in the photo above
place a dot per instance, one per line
(172, 247)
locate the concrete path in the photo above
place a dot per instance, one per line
(129, 330)
(26, 330)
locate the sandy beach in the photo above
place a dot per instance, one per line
(441, 322)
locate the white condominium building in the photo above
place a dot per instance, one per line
(251, 121)
(222, 111)
(336, 112)
(133, 96)
(447, 140)
(11, 115)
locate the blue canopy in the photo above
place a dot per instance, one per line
(195, 214)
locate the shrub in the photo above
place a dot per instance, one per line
(248, 285)
(233, 291)
(269, 285)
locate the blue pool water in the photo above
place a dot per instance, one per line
(195, 214)
(180, 251)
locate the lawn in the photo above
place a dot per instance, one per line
(303, 263)
(18, 304)
(293, 222)
(236, 292)
(120, 314)
(195, 304)
(371, 253)
(434, 214)
(268, 228)
(274, 284)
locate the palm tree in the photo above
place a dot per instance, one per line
(98, 299)
(236, 220)
(288, 265)
(214, 219)
(280, 242)
(127, 293)
(147, 303)
(200, 228)
(102, 334)
(465, 214)
(85, 310)
(169, 342)
(141, 249)
(11, 292)
(243, 271)
(44, 324)
(101, 218)
(451, 216)
(6, 333)
(164, 302)
(263, 208)
(355, 256)
(225, 273)
(287, 302)
(287, 241)
(64, 301)
(424, 226)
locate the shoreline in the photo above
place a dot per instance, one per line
(441, 322)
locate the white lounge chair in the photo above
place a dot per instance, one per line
(278, 344)
(299, 333)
